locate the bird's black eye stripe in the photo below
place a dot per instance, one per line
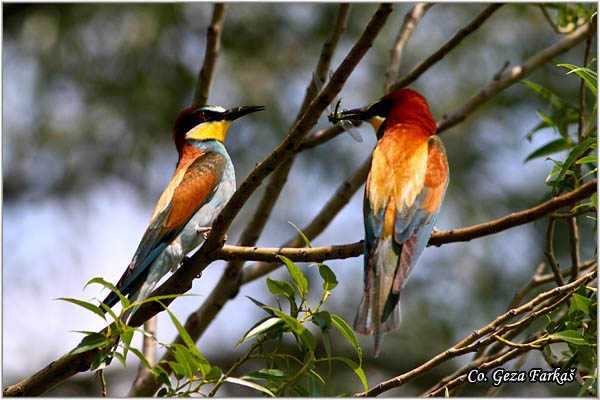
(381, 108)
(208, 115)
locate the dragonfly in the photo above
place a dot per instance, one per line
(334, 114)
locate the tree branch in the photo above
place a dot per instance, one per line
(469, 344)
(424, 65)
(549, 252)
(148, 349)
(520, 218)
(213, 44)
(319, 254)
(515, 74)
(411, 19)
(229, 283)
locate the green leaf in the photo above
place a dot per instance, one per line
(552, 98)
(110, 286)
(560, 126)
(121, 358)
(300, 390)
(553, 147)
(355, 367)
(587, 159)
(580, 303)
(183, 333)
(90, 342)
(314, 385)
(126, 337)
(302, 235)
(183, 358)
(252, 385)
(570, 336)
(266, 374)
(178, 369)
(281, 287)
(260, 305)
(305, 335)
(348, 333)
(260, 328)
(323, 320)
(141, 356)
(589, 76)
(89, 306)
(575, 152)
(196, 359)
(329, 278)
(214, 374)
(297, 276)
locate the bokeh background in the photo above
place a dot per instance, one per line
(90, 92)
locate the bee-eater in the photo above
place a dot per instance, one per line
(405, 188)
(203, 182)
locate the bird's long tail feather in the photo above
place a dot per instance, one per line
(379, 310)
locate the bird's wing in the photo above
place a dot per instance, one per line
(395, 181)
(414, 223)
(405, 187)
(191, 187)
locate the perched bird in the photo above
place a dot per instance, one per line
(203, 182)
(405, 188)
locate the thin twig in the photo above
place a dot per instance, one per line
(574, 245)
(514, 353)
(579, 211)
(469, 344)
(411, 19)
(549, 252)
(234, 367)
(516, 300)
(213, 44)
(323, 65)
(424, 65)
(516, 74)
(515, 219)
(333, 206)
(102, 382)
(581, 126)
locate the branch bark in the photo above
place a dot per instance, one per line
(229, 283)
(213, 45)
(515, 74)
(424, 65)
(411, 19)
(469, 344)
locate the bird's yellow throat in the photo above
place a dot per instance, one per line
(209, 130)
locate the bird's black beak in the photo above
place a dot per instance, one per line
(235, 113)
(359, 114)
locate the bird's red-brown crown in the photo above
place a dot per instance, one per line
(408, 106)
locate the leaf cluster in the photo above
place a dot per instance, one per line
(563, 117)
(297, 374)
(283, 373)
(579, 329)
